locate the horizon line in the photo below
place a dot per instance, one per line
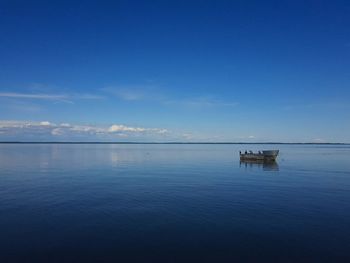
(131, 142)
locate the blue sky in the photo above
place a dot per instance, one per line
(175, 71)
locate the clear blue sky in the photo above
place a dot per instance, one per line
(175, 70)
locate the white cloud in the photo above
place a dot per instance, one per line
(122, 128)
(57, 132)
(45, 123)
(23, 124)
(86, 129)
(162, 131)
(66, 129)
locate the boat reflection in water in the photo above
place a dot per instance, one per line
(265, 165)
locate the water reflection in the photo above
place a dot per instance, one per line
(265, 165)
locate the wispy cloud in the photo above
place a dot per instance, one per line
(201, 102)
(54, 97)
(329, 105)
(129, 95)
(22, 106)
(33, 96)
(135, 93)
(200, 137)
(87, 96)
(155, 95)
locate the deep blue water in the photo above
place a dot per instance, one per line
(173, 203)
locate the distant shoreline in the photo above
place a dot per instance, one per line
(288, 143)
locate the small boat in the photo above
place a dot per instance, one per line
(269, 155)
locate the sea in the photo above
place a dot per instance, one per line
(173, 203)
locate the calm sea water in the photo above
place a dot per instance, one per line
(173, 203)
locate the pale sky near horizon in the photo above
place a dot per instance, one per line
(217, 71)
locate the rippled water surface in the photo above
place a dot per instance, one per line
(173, 203)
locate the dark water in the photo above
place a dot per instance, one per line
(173, 203)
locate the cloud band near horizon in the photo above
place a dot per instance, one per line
(49, 129)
